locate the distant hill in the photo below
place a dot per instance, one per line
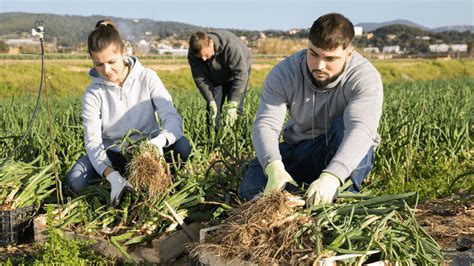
(371, 26)
(69, 30)
(460, 28)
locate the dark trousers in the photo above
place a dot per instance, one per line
(305, 161)
(83, 173)
(221, 94)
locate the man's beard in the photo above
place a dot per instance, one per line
(324, 83)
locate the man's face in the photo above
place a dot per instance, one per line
(207, 52)
(326, 65)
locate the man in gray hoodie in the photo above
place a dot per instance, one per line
(334, 97)
(220, 63)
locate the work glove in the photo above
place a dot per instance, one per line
(231, 113)
(118, 186)
(159, 142)
(322, 190)
(213, 113)
(277, 177)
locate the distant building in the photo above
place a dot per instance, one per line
(459, 47)
(424, 38)
(173, 51)
(244, 39)
(438, 48)
(395, 49)
(391, 36)
(128, 48)
(374, 50)
(358, 31)
(294, 31)
(20, 42)
(143, 46)
(370, 35)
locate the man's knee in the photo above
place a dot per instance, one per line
(253, 182)
(362, 171)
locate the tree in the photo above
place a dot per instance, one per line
(470, 49)
(3, 47)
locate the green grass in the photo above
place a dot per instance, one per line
(426, 136)
(70, 78)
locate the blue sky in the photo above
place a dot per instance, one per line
(258, 14)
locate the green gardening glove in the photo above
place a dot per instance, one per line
(277, 177)
(213, 113)
(231, 113)
(323, 190)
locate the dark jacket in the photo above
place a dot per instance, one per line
(230, 63)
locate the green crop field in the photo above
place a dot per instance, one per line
(426, 131)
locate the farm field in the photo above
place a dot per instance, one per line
(426, 129)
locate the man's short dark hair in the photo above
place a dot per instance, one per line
(197, 41)
(330, 31)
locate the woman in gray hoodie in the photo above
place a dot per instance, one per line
(123, 96)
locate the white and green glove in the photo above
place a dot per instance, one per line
(213, 113)
(231, 113)
(323, 190)
(277, 177)
(159, 142)
(118, 186)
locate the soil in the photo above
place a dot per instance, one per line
(450, 221)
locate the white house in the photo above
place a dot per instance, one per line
(458, 47)
(19, 42)
(358, 31)
(395, 49)
(438, 48)
(374, 50)
(173, 51)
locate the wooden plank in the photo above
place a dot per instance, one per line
(167, 248)
(163, 249)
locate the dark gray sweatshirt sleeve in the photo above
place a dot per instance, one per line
(200, 79)
(361, 120)
(269, 120)
(238, 68)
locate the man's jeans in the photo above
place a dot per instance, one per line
(305, 161)
(221, 94)
(83, 173)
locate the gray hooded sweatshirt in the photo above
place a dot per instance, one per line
(109, 112)
(231, 62)
(356, 95)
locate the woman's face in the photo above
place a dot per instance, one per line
(110, 63)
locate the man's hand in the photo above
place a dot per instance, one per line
(213, 113)
(118, 186)
(322, 190)
(159, 142)
(277, 177)
(231, 113)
